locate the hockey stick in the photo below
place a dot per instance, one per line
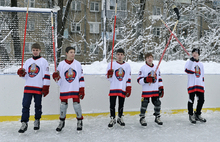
(114, 34)
(25, 29)
(54, 52)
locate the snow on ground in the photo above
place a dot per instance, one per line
(176, 128)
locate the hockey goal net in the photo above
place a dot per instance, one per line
(12, 27)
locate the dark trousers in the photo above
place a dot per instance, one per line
(26, 106)
(200, 102)
(121, 101)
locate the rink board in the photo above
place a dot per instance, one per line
(96, 101)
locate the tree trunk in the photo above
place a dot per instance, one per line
(13, 25)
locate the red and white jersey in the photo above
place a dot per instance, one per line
(195, 71)
(149, 89)
(37, 75)
(71, 79)
(120, 80)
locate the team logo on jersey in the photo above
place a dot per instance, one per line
(120, 73)
(33, 70)
(70, 75)
(151, 74)
(197, 71)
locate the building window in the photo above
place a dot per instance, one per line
(75, 27)
(31, 3)
(28, 47)
(94, 7)
(156, 31)
(77, 48)
(76, 5)
(94, 49)
(4, 2)
(30, 25)
(156, 10)
(121, 5)
(94, 28)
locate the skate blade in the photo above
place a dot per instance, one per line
(79, 131)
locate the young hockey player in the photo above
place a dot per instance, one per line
(69, 76)
(195, 71)
(152, 87)
(120, 79)
(36, 74)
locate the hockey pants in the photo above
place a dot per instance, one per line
(200, 102)
(144, 103)
(121, 101)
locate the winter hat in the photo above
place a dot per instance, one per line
(196, 50)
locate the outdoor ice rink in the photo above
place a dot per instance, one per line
(176, 128)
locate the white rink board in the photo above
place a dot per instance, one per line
(97, 100)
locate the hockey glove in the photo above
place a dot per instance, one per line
(161, 92)
(56, 76)
(21, 72)
(81, 93)
(110, 73)
(128, 91)
(149, 79)
(45, 90)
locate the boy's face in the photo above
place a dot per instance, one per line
(120, 56)
(149, 60)
(195, 55)
(36, 52)
(71, 54)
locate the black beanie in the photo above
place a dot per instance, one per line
(196, 50)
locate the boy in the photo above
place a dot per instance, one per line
(195, 71)
(120, 79)
(36, 74)
(69, 76)
(152, 87)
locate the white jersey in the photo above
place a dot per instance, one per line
(71, 79)
(149, 89)
(37, 75)
(195, 71)
(120, 80)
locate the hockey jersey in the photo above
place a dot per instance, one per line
(71, 79)
(120, 80)
(149, 89)
(37, 75)
(195, 71)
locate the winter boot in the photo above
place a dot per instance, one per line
(37, 124)
(192, 119)
(120, 121)
(79, 125)
(23, 128)
(199, 118)
(112, 122)
(157, 120)
(143, 121)
(60, 126)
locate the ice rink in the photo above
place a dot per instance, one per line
(176, 128)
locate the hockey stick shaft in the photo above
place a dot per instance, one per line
(114, 34)
(166, 47)
(25, 29)
(54, 51)
(175, 37)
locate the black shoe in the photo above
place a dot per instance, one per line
(199, 118)
(157, 120)
(79, 125)
(60, 126)
(143, 121)
(192, 119)
(112, 122)
(37, 124)
(23, 128)
(120, 121)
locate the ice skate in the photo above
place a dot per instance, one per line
(143, 121)
(79, 125)
(120, 121)
(36, 124)
(23, 128)
(60, 126)
(112, 123)
(157, 120)
(192, 119)
(199, 118)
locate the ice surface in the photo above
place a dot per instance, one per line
(176, 128)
